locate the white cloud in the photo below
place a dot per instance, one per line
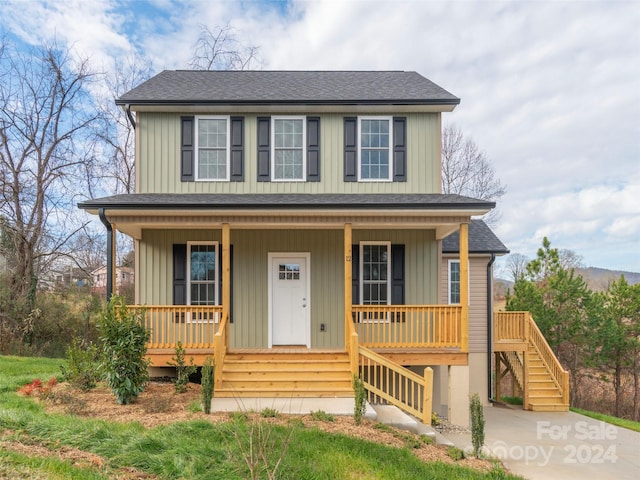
(550, 90)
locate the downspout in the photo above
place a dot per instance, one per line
(490, 323)
(132, 120)
(105, 222)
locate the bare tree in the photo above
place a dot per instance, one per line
(467, 171)
(516, 266)
(117, 136)
(219, 49)
(45, 116)
(570, 259)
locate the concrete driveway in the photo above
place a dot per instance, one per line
(557, 445)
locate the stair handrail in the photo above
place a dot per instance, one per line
(220, 348)
(414, 384)
(558, 373)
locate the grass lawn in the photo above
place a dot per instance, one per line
(191, 449)
(619, 422)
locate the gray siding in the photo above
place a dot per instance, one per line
(477, 295)
(159, 152)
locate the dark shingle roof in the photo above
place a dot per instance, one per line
(208, 201)
(481, 240)
(288, 87)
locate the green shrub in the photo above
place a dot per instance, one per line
(455, 453)
(182, 369)
(322, 416)
(83, 365)
(360, 400)
(477, 424)
(269, 413)
(208, 378)
(124, 339)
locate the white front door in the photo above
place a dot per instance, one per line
(289, 299)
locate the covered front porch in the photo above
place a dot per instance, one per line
(372, 333)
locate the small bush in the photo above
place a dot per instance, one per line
(322, 416)
(269, 413)
(208, 372)
(124, 339)
(435, 419)
(455, 453)
(182, 369)
(70, 402)
(83, 365)
(195, 407)
(360, 400)
(427, 440)
(477, 424)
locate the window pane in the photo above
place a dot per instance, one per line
(374, 149)
(212, 149)
(375, 267)
(288, 149)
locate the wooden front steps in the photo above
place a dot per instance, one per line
(282, 373)
(542, 394)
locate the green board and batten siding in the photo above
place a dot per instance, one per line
(250, 275)
(159, 151)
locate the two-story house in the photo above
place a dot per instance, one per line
(291, 224)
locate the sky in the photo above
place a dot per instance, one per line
(550, 90)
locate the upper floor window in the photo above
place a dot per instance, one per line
(288, 148)
(212, 147)
(374, 148)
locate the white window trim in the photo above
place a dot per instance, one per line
(217, 279)
(359, 140)
(451, 261)
(197, 148)
(361, 282)
(273, 147)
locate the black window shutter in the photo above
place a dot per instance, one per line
(350, 149)
(264, 149)
(179, 277)
(187, 135)
(313, 149)
(399, 149)
(397, 274)
(237, 149)
(355, 274)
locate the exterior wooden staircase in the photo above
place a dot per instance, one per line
(286, 374)
(521, 349)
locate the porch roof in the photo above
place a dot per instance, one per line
(481, 240)
(296, 202)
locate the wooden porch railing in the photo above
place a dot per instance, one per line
(220, 349)
(193, 326)
(408, 326)
(392, 383)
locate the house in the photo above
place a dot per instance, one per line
(291, 224)
(124, 276)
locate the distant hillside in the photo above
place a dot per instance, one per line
(599, 278)
(596, 278)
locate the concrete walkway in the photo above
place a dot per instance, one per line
(557, 445)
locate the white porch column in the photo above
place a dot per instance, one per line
(226, 270)
(347, 281)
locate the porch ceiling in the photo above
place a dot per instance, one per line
(132, 213)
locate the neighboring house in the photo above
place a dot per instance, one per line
(291, 224)
(123, 276)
